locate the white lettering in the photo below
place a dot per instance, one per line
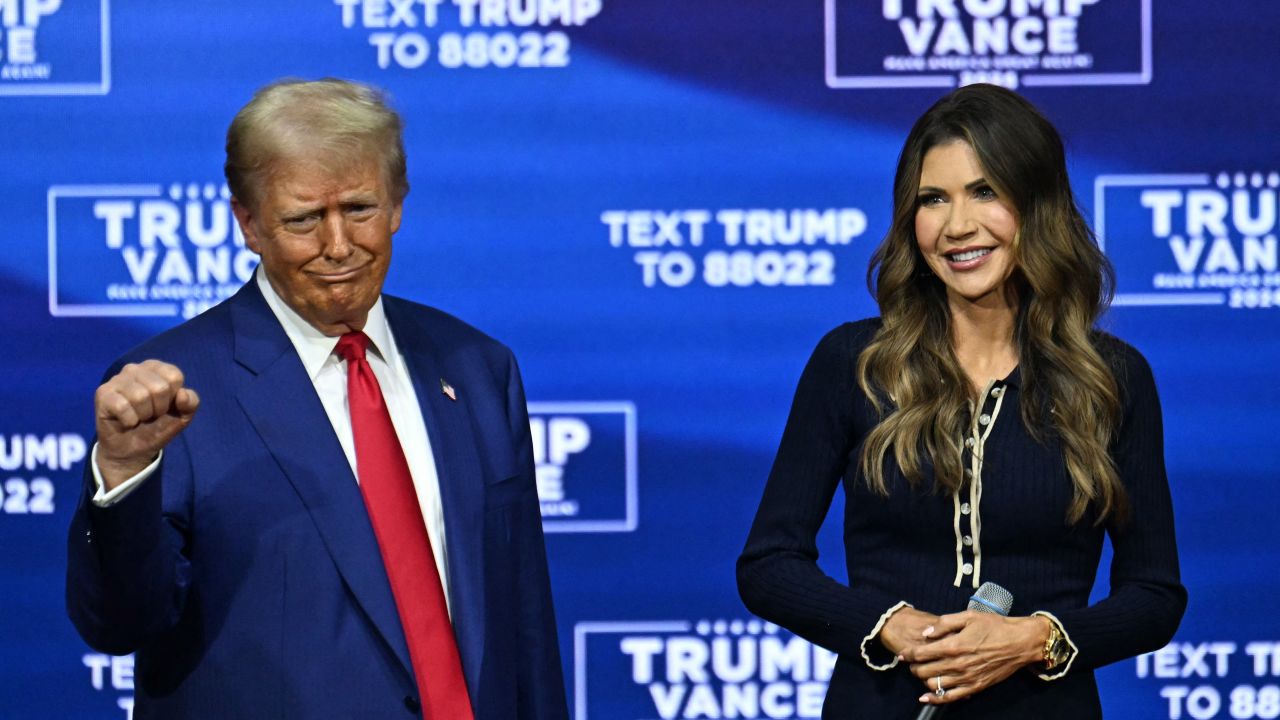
(1206, 213)
(1266, 658)
(1025, 34)
(41, 451)
(642, 651)
(565, 437)
(1161, 203)
(991, 36)
(139, 266)
(1061, 36)
(97, 664)
(1260, 255)
(687, 660)
(1204, 702)
(772, 700)
(928, 8)
(348, 11)
(1222, 256)
(667, 700)
(219, 218)
(55, 452)
(1251, 223)
(951, 38)
(1186, 253)
(984, 9)
(777, 658)
(917, 34)
(174, 268)
(22, 45)
(158, 220)
(1075, 7)
(723, 663)
(702, 704)
(1022, 8)
(114, 212)
(374, 13)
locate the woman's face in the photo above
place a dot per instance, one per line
(965, 231)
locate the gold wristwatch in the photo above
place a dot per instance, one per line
(1056, 650)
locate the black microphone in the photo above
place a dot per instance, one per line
(990, 598)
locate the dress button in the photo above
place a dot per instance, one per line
(985, 419)
(964, 508)
(997, 392)
(968, 473)
(968, 539)
(967, 568)
(412, 705)
(968, 442)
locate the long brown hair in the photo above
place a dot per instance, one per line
(1062, 282)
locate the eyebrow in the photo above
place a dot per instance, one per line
(297, 212)
(975, 184)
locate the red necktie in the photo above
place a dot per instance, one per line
(393, 507)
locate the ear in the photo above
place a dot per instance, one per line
(395, 216)
(245, 218)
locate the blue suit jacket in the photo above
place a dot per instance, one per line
(246, 575)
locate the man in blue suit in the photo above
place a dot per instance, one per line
(315, 500)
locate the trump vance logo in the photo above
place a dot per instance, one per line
(585, 454)
(1191, 239)
(945, 43)
(143, 250)
(48, 48)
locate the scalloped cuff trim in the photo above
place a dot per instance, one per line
(1061, 671)
(870, 638)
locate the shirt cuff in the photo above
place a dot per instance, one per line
(1060, 671)
(870, 646)
(106, 498)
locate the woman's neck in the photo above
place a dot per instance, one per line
(982, 337)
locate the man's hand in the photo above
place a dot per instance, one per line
(137, 412)
(972, 651)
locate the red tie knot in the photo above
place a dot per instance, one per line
(351, 346)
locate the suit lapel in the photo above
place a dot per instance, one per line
(283, 407)
(453, 445)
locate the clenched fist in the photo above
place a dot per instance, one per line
(137, 412)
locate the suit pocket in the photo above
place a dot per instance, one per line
(507, 491)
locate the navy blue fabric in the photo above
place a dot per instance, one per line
(902, 547)
(246, 574)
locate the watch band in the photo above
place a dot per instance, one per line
(1055, 646)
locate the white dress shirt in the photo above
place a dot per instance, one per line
(328, 373)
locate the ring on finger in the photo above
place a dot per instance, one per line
(939, 692)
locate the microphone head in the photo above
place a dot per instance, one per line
(991, 598)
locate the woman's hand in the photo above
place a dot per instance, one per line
(971, 651)
(907, 628)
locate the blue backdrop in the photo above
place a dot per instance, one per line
(660, 206)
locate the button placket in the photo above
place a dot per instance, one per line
(968, 522)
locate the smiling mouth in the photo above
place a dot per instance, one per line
(339, 276)
(969, 255)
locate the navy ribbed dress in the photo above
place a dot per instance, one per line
(1007, 524)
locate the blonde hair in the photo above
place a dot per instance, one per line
(342, 121)
(1062, 282)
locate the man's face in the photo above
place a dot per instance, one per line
(324, 236)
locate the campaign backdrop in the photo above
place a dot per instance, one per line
(660, 206)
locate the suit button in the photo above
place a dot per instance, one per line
(412, 704)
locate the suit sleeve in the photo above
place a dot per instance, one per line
(540, 679)
(127, 571)
(778, 574)
(1147, 597)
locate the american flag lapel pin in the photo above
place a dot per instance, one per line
(448, 390)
